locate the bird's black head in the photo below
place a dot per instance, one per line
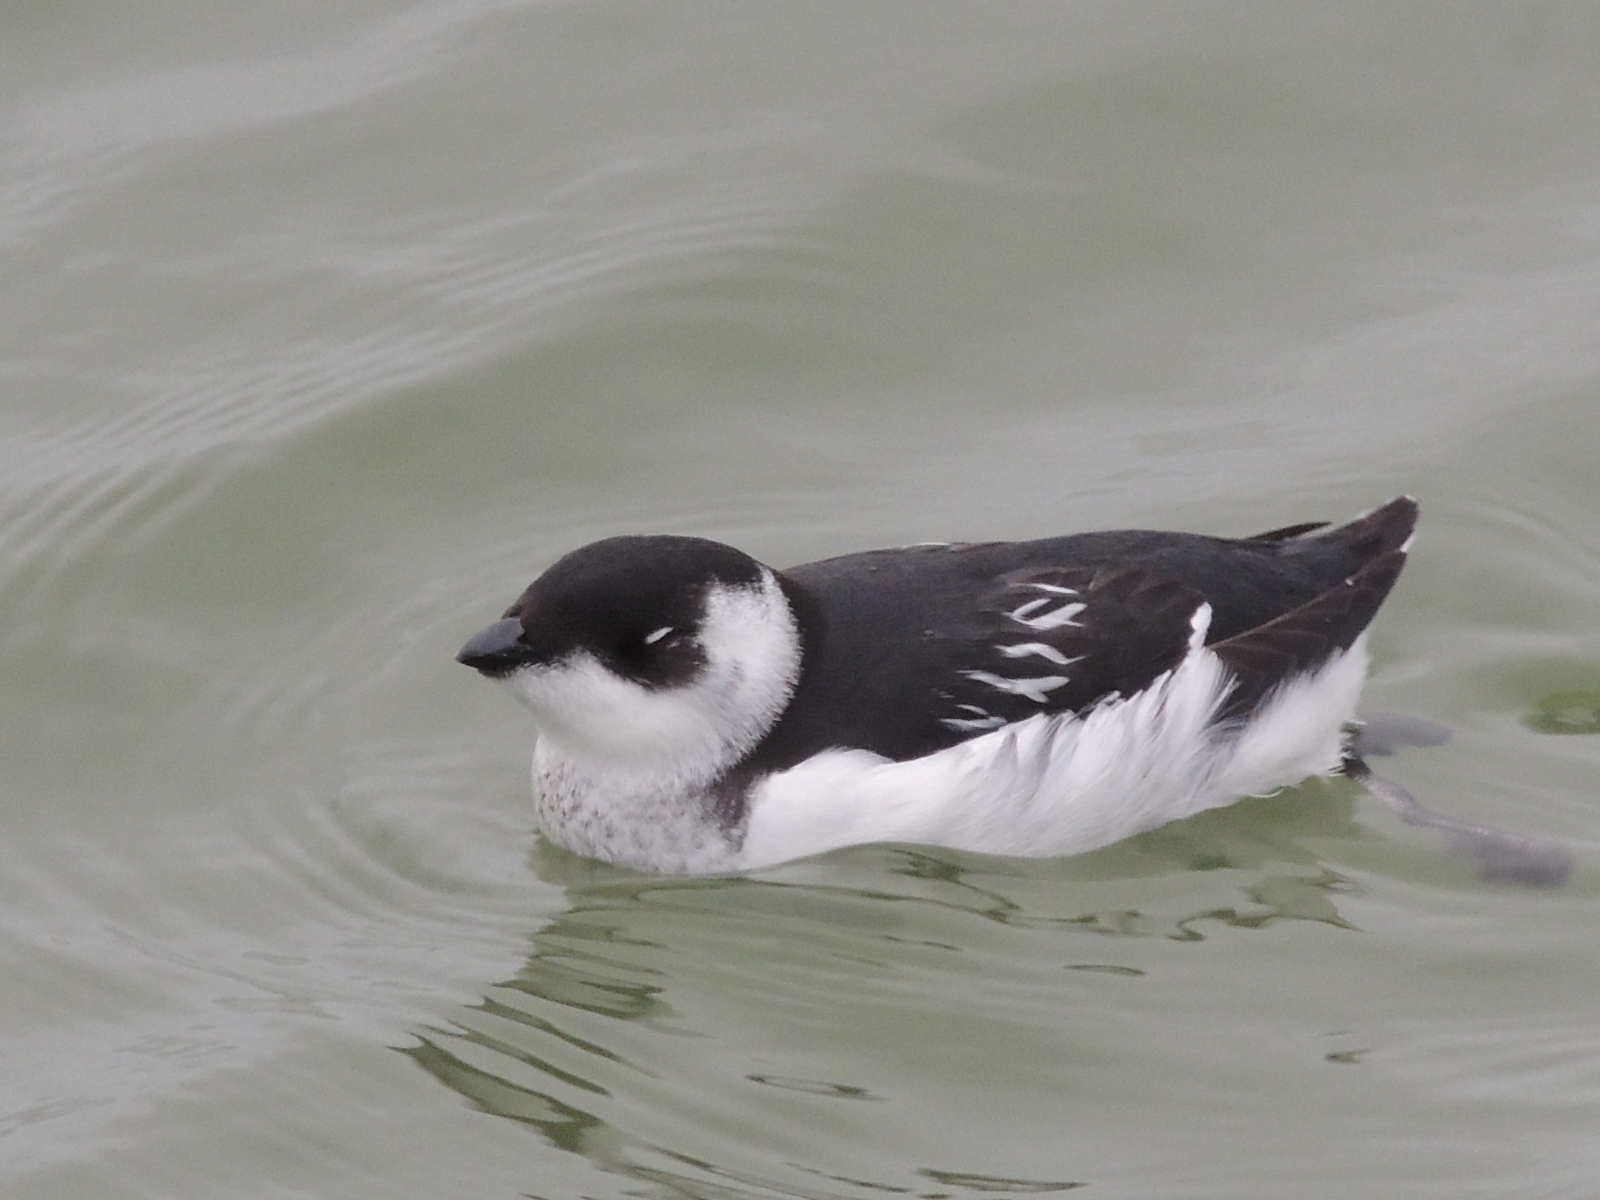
(635, 604)
(666, 656)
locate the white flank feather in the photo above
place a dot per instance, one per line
(1064, 784)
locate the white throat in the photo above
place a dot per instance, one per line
(618, 762)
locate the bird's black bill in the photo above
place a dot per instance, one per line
(497, 650)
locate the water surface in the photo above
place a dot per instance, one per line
(324, 327)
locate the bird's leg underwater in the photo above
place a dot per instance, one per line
(1502, 857)
(1376, 734)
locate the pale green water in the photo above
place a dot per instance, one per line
(323, 327)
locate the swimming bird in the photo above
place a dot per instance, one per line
(698, 711)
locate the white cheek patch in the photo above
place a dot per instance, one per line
(606, 725)
(581, 704)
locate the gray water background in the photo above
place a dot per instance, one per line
(325, 326)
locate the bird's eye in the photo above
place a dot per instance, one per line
(650, 639)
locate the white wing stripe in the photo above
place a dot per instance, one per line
(1032, 606)
(1033, 689)
(1050, 620)
(972, 726)
(1023, 649)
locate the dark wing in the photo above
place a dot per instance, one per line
(1061, 639)
(910, 651)
(1135, 626)
(907, 674)
(1301, 639)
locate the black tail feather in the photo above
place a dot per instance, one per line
(1306, 637)
(1386, 528)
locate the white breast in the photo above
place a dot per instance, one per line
(621, 771)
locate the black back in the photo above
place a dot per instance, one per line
(889, 634)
